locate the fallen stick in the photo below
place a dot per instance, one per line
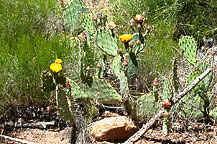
(154, 119)
(16, 139)
(28, 125)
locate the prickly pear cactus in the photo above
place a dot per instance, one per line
(167, 89)
(47, 84)
(87, 23)
(132, 69)
(76, 93)
(175, 79)
(138, 43)
(145, 107)
(189, 47)
(124, 89)
(100, 70)
(101, 91)
(213, 113)
(63, 103)
(197, 99)
(116, 65)
(71, 16)
(106, 42)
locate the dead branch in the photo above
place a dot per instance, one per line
(16, 139)
(154, 119)
(28, 125)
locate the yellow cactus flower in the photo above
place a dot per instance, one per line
(56, 67)
(125, 38)
(59, 61)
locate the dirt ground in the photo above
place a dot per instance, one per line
(55, 136)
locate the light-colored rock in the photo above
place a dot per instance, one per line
(113, 129)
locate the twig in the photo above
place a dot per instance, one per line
(26, 125)
(16, 139)
(154, 119)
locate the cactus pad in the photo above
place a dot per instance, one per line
(145, 108)
(116, 65)
(47, 84)
(132, 70)
(71, 16)
(63, 103)
(167, 89)
(106, 42)
(102, 91)
(87, 23)
(138, 48)
(76, 92)
(100, 71)
(124, 89)
(189, 47)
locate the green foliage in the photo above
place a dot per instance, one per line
(158, 52)
(71, 16)
(25, 59)
(26, 17)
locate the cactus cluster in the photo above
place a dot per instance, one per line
(99, 52)
(197, 102)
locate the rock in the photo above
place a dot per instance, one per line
(113, 129)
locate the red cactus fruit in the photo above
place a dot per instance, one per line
(88, 68)
(139, 18)
(138, 42)
(155, 82)
(166, 114)
(131, 44)
(166, 103)
(148, 27)
(120, 51)
(68, 85)
(125, 63)
(104, 53)
(99, 65)
(94, 18)
(139, 26)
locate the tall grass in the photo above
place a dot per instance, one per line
(27, 47)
